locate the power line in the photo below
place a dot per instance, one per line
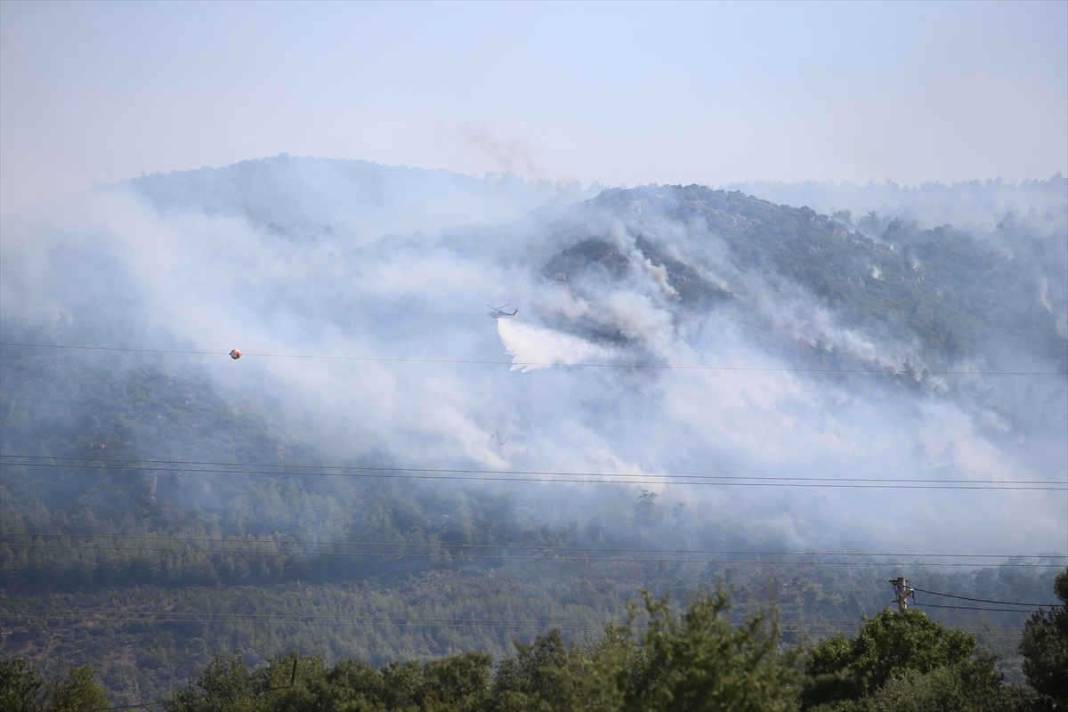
(544, 558)
(973, 608)
(17, 459)
(516, 545)
(561, 477)
(481, 475)
(193, 617)
(94, 616)
(81, 617)
(354, 549)
(986, 600)
(635, 365)
(121, 349)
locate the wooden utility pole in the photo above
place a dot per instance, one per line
(903, 592)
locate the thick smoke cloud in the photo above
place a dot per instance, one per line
(295, 261)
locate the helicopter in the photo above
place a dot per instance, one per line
(500, 313)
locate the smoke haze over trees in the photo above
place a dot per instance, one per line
(661, 329)
(475, 356)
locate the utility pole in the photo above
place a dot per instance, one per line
(903, 592)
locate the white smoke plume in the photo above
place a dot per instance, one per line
(363, 318)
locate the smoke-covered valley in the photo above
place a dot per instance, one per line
(778, 358)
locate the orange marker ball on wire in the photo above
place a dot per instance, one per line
(235, 354)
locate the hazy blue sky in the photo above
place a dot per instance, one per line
(618, 93)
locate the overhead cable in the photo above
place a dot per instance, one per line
(985, 600)
(94, 616)
(283, 541)
(547, 476)
(631, 365)
(585, 560)
(267, 468)
(974, 608)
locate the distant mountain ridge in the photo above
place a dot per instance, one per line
(310, 196)
(942, 288)
(969, 204)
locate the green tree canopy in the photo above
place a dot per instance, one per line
(23, 690)
(78, 692)
(700, 661)
(1045, 648)
(890, 647)
(20, 686)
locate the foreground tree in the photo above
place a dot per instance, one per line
(945, 688)
(697, 660)
(1045, 648)
(550, 675)
(700, 661)
(904, 661)
(22, 690)
(225, 686)
(78, 692)
(20, 686)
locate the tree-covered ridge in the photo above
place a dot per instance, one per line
(946, 290)
(345, 196)
(659, 659)
(979, 204)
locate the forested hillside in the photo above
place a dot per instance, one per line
(533, 356)
(699, 390)
(657, 658)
